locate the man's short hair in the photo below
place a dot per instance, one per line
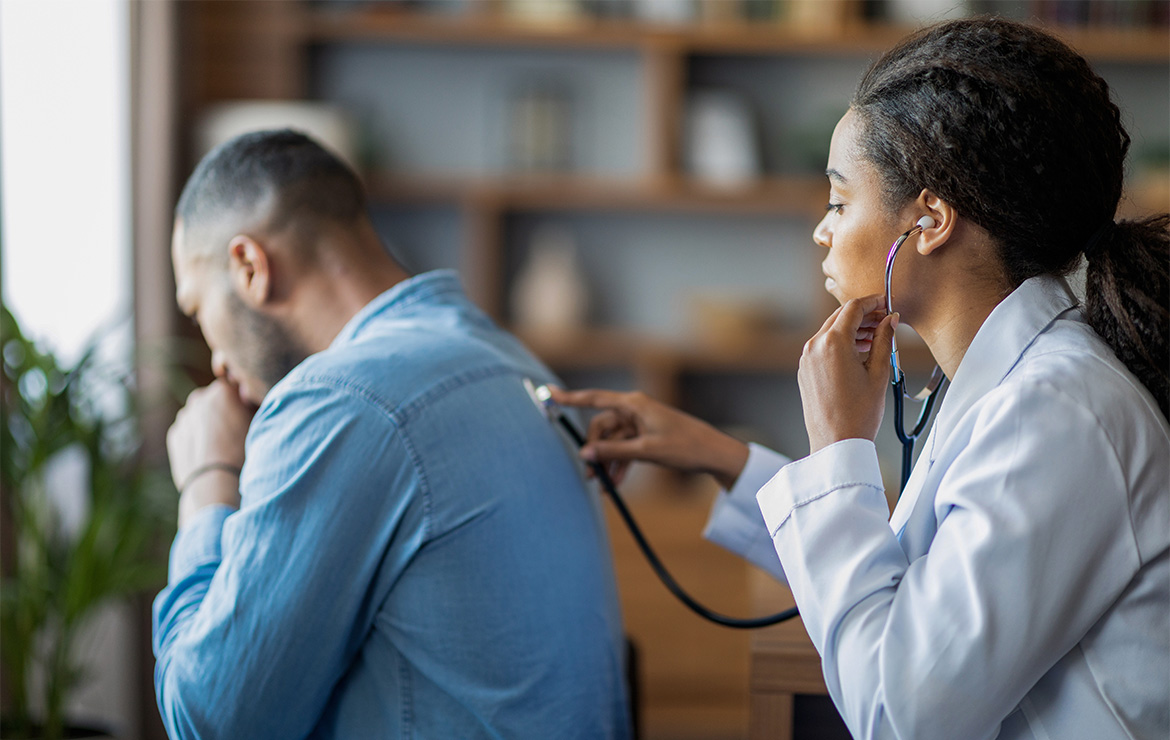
(281, 174)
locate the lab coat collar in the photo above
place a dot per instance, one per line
(1005, 336)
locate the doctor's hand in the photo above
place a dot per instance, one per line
(844, 371)
(206, 447)
(633, 426)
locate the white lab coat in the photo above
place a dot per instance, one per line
(1021, 588)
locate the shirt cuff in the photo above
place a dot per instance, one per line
(844, 464)
(735, 522)
(198, 542)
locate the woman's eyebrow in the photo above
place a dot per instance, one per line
(833, 174)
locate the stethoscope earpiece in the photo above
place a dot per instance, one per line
(926, 222)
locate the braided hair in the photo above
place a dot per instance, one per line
(1015, 130)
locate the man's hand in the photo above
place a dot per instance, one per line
(208, 431)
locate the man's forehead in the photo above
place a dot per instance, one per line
(181, 262)
(178, 246)
(184, 293)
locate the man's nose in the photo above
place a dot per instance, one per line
(218, 365)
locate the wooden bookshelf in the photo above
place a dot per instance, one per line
(854, 37)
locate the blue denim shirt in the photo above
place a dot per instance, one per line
(415, 555)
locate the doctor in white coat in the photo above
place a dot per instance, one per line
(1021, 588)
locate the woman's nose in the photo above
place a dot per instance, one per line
(821, 234)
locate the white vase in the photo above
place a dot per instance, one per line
(666, 11)
(549, 295)
(721, 144)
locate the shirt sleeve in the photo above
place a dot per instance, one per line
(265, 607)
(1033, 545)
(735, 522)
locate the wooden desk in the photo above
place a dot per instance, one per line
(783, 664)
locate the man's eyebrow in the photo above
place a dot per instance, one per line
(833, 174)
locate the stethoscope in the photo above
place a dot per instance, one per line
(542, 397)
(898, 378)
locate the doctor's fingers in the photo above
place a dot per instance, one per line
(878, 363)
(846, 319)
(622, 451)
(829, 322)
(593, 398)
(858, 313)
(615, 469)
(612, 424)
(849, 327)
(863, 340)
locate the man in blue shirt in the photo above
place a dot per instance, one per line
(401, 546)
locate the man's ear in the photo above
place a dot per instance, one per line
(945, 219)
(250, 270)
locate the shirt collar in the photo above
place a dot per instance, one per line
(400, 299)
(1005, 336)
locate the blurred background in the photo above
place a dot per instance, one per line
(630, 185)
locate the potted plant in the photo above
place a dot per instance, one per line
(55, 575)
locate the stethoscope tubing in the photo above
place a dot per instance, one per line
(660, 570)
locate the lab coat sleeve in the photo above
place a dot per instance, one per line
(1033, 545)
(735, 522)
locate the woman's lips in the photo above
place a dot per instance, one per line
(830, 283)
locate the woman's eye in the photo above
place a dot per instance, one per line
(836, 207)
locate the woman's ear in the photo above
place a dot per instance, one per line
(250, 270)
(945, 218)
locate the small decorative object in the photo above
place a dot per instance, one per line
(721, 11)
(911, 12)
(544, 11)
(541, 129)
(666, 11)
(815, 15)
(549, 296)
(721, 144)
(328, 124)
(608, 9)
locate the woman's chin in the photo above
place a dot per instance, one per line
(834, 290)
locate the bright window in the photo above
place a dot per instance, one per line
(65, 151)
